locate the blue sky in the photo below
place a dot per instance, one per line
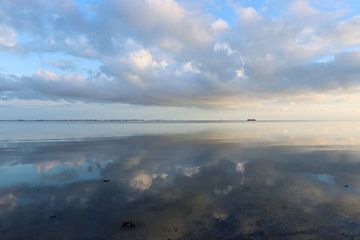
(206, 59)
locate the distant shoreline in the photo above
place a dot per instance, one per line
(164, 121)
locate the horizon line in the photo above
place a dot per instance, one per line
(135, 120)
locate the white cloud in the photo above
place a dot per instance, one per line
(189, 67)
(224, 47)
(302, 8)
(158, 52)
(219, 25)
(248, 14)
(348, 32)
(46, 75)
(141, 58)
(7, 36)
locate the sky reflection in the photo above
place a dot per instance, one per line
(182, 186)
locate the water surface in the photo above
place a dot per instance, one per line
(263, 180)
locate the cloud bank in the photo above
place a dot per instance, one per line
(177, 53)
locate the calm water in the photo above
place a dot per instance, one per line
(273, 180)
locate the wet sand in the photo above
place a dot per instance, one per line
(261, 183)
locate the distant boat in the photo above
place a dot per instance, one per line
(251, 120)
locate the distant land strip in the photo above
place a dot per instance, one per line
(163, 120)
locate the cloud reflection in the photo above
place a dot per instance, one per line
(174, 187)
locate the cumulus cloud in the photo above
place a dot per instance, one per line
(159, 52)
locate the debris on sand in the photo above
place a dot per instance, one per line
(128, 224)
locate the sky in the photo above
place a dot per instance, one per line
(184, 59)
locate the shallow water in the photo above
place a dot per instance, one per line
(263, 180)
